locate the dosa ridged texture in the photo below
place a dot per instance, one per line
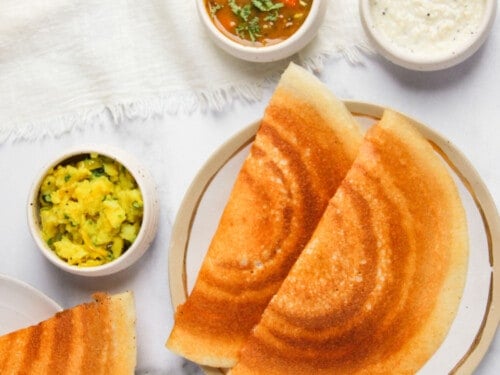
(305, 145)
(377, 287)
(93, 338)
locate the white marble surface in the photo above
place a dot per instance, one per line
(462, 103)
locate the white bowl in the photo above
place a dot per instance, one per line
(417, 59)
(150, 218)
(268, 53)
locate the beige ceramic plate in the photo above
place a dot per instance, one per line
(478, 315)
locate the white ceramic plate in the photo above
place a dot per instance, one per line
(21, 305)
(477, 319)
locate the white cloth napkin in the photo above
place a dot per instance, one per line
(67, 64)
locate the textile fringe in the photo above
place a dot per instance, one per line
(144, 108)
(166, 103)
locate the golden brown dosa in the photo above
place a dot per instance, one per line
(92, 338)
(303, 149)
(378, 285)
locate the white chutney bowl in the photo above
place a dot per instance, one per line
(461, 46)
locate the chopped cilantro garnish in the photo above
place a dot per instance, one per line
(257, 20)
(215, 8)
(98, 172)
(272, 16)
(242, 12)
(254, 28)
(266, 5)
(251, 28)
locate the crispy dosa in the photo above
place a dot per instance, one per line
(303, 149)
(92, 338)
(378, 285)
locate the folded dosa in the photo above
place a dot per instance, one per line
(303, 149)
(92, 338)
(378, 285)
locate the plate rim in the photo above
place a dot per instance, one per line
(459, 163)
(12, 282)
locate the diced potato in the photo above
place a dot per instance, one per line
(129, 231)
(114, 213)
(117, 246)
(90, 211)
(69, 251)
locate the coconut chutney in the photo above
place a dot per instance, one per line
(428, 28)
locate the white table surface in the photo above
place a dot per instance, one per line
(461, 103)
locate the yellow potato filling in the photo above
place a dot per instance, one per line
(90, 210)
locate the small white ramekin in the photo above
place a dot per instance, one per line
(150, 218)
(273, 52)
(431, 62)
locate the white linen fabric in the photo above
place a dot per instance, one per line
(67, 64)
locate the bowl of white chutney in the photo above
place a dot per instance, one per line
(427, 35)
